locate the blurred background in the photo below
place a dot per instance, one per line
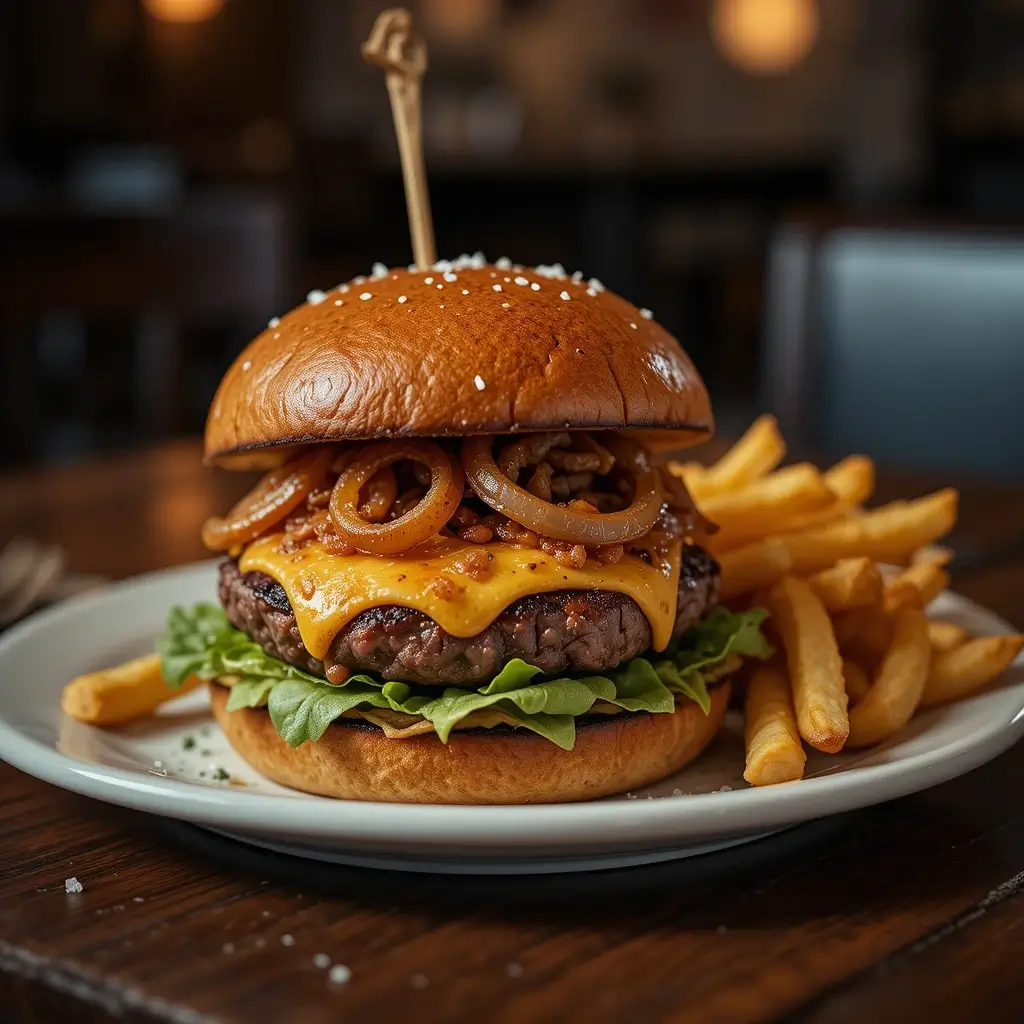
(818, 197)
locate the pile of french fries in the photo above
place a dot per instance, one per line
(857, 656)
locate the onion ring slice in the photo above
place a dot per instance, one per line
(279, 493)
(557, 521)
(425, 519)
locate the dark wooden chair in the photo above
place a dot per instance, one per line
(903, 341)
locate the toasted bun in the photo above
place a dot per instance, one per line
(355, 761)
(422, 355)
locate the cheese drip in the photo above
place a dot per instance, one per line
(328, 591)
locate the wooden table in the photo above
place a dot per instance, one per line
(909, 911)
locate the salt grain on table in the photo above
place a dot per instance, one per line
(72, 885)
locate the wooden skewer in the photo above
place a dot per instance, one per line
(395, 46)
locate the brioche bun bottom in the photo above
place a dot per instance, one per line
(354, 760)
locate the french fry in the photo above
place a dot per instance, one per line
(898, 685)
(774, 751)
(850, 583)
(944, 636)
(852, 480)
(815, 668)
(756, 453)
(856, 679)
(936, 554)
(963, 670)
(756, 565)
(864, 635)
(764, 506)
(900, 594)
(929, 579)
(121, 694)
(885, 534)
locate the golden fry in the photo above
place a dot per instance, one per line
(774, 751)
(756, 565)
(937, 554)
(963, 670)
(944, 636)
(815, 667)
(899, 684)
(864, 635)
(856, 679)
(850, 583)
(756, 453)
(852, 480)
(885, 534)
(929, 579)
(121, 694)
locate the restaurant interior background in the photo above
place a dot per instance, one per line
(816, 196)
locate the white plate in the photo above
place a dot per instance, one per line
(706, 807)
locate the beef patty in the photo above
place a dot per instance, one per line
(562, 631)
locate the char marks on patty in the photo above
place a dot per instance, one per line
(574, 631)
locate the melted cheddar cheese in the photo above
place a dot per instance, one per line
(327, 591)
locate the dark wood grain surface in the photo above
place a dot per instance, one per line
(908, 911)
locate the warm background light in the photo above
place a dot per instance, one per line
(183, 11)
(459, 20)
(765, 36)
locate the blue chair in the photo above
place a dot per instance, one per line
(902, 342)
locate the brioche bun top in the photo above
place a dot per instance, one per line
(465, 348)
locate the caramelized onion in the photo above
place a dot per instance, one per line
(278, 494)
(422, 521)
(562, 523)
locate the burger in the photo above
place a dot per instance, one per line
(465, 575)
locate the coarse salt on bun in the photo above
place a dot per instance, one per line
(354, 760)
(465, 348)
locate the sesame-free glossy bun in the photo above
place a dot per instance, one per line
(354, 760)
(458, 350)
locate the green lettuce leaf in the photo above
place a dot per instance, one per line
(200, 641)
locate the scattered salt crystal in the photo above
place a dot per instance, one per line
(677, 791)
(725, 789)
(506, 305)
(449, 277)
(535, 287)
(428, 280)
(343, 288)
(441, 306)
(514, 970)
(139, 899)
(591, 292)
(403, 298)
(379, 270)
(247, 365)
(287, 940)
(503, 263)
(358, 280)
(339, 974)
(315, 297)
(497, 287)
(465, 291)
(420, 981)
(564, 295)
(228, 947)
(646, 314)
(596, 285)
(339, 302)
(365, 295)
(440, 285)
(479, 382)
(273, 321)
(577, 276)
(72, 885)
(631, 796)
(521, 281)
(633, 325)
(322, 960)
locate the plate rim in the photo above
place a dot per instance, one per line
(569, 825)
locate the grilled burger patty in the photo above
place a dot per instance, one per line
(563, 631)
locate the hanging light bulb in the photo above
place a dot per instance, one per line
(765, 36)
(183, 11)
